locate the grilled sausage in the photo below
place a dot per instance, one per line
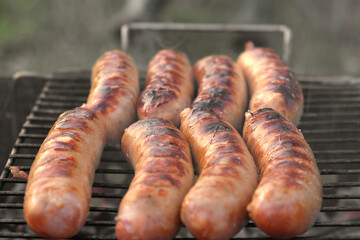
(215, 208)
(58, 192)
(57, 196)
(164, 173)
(114, 91)
(272, 84)
(289, 195)
(169, 87)
(221, 88)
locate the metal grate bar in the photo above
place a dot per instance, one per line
(337, 161)
(63, 98)
(63, 105)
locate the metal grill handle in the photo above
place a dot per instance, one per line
(210, 27)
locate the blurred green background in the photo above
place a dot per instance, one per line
(46, 36)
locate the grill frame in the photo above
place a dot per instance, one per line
(335, 151)
(284, 30)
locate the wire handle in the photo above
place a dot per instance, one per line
(210, 27)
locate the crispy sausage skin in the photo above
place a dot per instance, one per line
(215, 208)
(221, 88)
(272, 84)
(289, 195)
(114, 91)
(58, 192)
(164, 173)
(169, 87)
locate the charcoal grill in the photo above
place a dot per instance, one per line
(330, 124)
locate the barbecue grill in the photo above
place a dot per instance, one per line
(330, 124)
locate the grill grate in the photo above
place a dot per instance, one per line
(330, 124)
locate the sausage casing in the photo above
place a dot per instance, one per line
(164, 173)
(221, 88)
(58, 192)
(215, 207)
(289, 195)
(169, 87)
(114, 92)
(272, 84)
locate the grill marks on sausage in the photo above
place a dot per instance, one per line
(216, 92)
(163, 168)
(111, 78)
(159, 180)
(75, 136)
(108, 96)
(272, 120)
(157, 96)
(221, 88)
(208, 103)
(57, 168)
(272, 83)
(79, 112)
(164, 56)
(291, 174)
(285, 156)
(166, 156)
(221, 73)
(225, 166)
(214, 126)
(60, 146)
(289, 90)
(160, 132)
(169, 87)
(54, 156)
(230, 158)
(73, 123)
(164, 171)
(215, 89)
(221, 139)
(75, 119)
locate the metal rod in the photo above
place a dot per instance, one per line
(210, 27)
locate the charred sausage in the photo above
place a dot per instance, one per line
(215, 207)
(114, 91)
(221, 88)
(58, 192)
(169, 87)
(289, 195)
(164, 173)
(272, 84)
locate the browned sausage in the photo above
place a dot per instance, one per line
(114, 91)
(164, 173)
(221, 88)
(288, 198)
(58, 192)
(272, 84)
(169, 87)
(215, 208)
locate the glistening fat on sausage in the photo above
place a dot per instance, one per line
(114, 92)
(57, 196)
(58, 191)
(215, 208)
(164, 173)
(221, 88)
(272, 84)
(288, 198)
(169, 87)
